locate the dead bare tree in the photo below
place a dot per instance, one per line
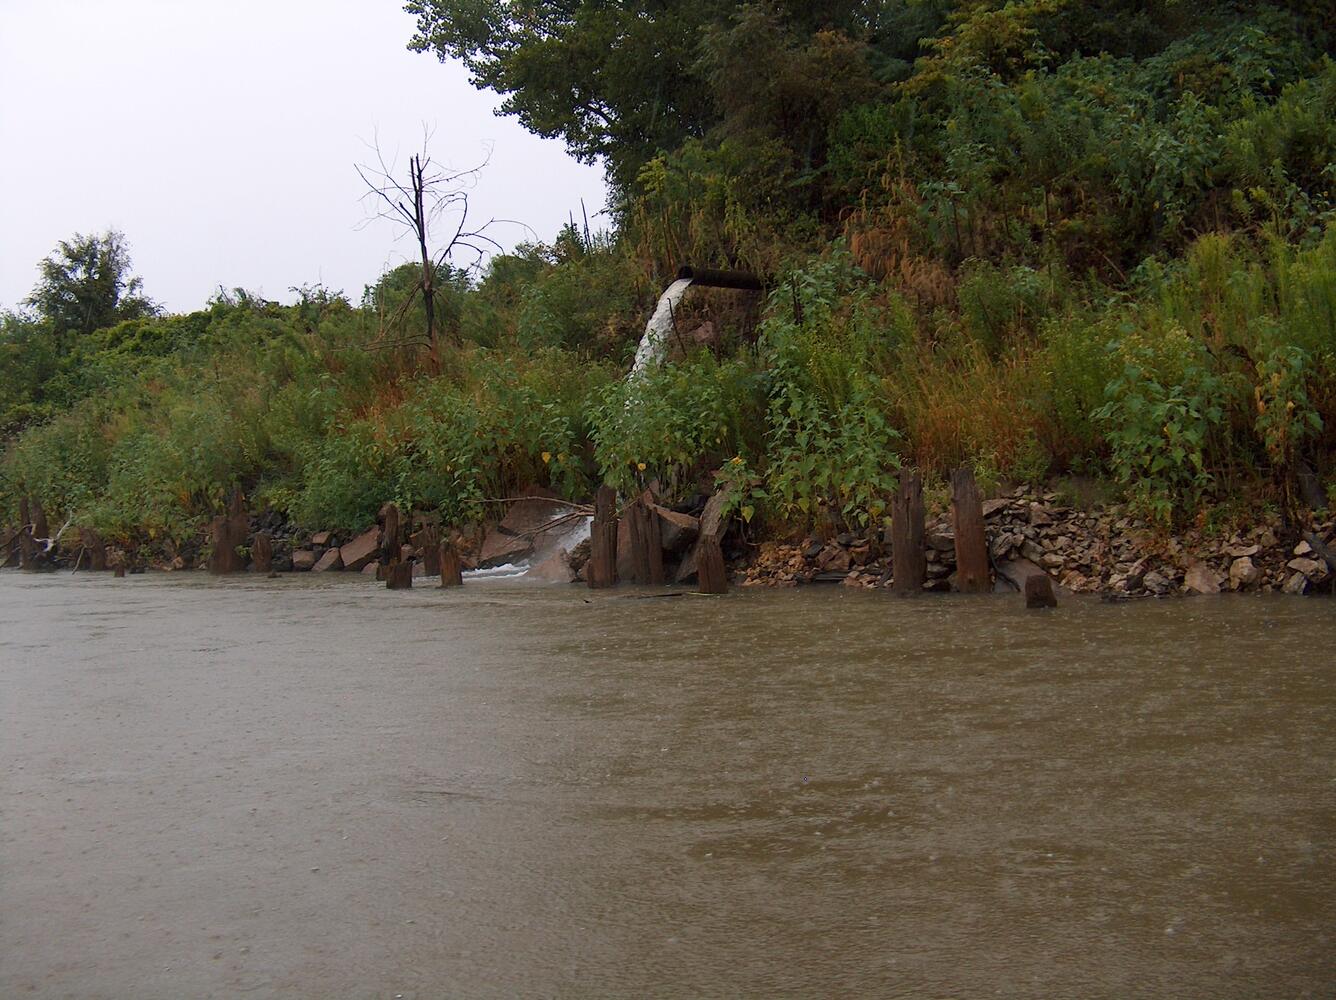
(428, 196)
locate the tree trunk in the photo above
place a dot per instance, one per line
(908, 560)
(972, 575)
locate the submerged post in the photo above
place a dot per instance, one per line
(909, 564)
(602, 569)
(972, 575)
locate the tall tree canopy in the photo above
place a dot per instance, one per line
(86, 285)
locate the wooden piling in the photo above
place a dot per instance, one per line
(399, 576)
(909, 564)
(602, 568)
(27, 547)
(262, 552)
(428, 541)
(711, 573)
(96, 549)
(452, 574)
(652, 529)
(972, 573)
(229, 531)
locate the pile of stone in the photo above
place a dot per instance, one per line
(1104, 552)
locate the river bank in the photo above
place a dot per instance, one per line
(1083, 550)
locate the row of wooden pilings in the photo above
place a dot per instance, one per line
(909, 564)
(645, 535)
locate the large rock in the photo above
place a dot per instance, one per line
(1201, 579)
(678, 530)
(525, 529)
(331, 560)
(556, 568)
(1244, 574)
(303, 560)
(1311, 568)
(361, 550)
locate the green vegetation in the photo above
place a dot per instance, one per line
(1041, 237)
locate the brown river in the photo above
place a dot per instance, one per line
(314, 787)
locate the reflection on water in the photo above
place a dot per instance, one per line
(319, 787)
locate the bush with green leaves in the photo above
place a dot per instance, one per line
(664, 421)
(1158, 418)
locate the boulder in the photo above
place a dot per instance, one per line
(302, 560)
(361, 550)
(331, 560)
(1244, 574)
(1017, 571)
(1201, 579)
(1296, 584)
(678, 530)
(1156, 582)
(992, 507)
(1313, 569)
(371, 569)
(322, 538)
(556, 568)
(499, 548)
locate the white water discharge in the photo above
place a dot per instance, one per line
(654, 343)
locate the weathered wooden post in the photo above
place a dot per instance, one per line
(27, 547)
(428, 542)
(451, 573)
(602, 568)
(96, 548)
(711, 573)
(909, 563)
(262, 552)
(972, 575)
(652, 532)
(397, 572)
(40, 529)
(228, 531)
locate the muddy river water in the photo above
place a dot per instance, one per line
(314, 787)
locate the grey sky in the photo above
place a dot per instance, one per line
(221, 138)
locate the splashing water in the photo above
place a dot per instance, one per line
(654, 343)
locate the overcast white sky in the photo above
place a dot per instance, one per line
(220, 137)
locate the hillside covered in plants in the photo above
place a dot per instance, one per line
(1076, 244)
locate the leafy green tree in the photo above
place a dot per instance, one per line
(86, 285)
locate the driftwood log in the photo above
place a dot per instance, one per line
(601, 571)
(972, 574)
(909, 563)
